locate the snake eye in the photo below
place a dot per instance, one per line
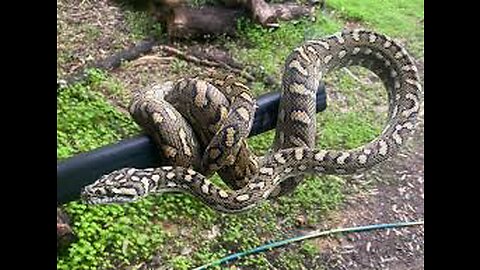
(98, 192)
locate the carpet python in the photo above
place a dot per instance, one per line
(164, 110)
(293, 156)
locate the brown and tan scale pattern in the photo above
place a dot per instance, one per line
(222, 132)
(293, 155)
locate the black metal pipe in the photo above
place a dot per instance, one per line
(140, 152)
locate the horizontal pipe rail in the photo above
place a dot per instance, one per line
(140, 152)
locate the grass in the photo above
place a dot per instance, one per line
(401, 18)
(85, 119)
(142, 25)
(177, 229)
(270, 48)
(397, 18)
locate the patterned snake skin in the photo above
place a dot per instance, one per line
(293, 154)
(205, 106)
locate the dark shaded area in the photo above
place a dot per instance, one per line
(64, 232)
(185, 22)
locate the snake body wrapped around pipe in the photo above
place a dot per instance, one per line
(293, 155)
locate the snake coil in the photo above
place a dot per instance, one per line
(293, 154)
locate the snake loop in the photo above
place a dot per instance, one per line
(293, 154)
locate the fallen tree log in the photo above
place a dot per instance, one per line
(190, 22)
(268, 14)
(186, 22)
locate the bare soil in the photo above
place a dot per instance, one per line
(397, 195)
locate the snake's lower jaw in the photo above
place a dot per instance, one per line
(106, 200)
(88, 197)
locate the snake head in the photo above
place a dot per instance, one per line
(117, 187)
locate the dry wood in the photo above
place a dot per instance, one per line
(205, 62)
(186, 22)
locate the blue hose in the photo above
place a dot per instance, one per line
(308, 236)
